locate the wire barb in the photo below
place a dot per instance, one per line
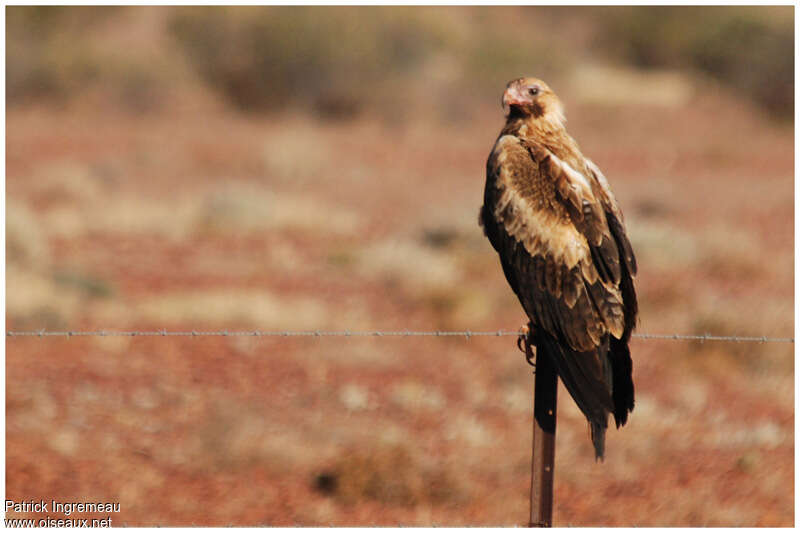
(467, 334)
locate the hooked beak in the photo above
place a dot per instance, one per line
(511, 98)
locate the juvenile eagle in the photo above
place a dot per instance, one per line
(551, 216)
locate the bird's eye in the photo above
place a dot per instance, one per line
(533, 91)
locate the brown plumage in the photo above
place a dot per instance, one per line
(551, 216)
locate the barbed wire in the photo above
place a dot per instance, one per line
(375, 333)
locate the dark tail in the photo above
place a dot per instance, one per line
(619, 354)
(598, 439)
(586, 377)
(622, 379)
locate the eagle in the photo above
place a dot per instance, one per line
(551, 216)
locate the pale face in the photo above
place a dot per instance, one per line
(531, 97)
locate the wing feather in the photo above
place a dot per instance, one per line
(577, 281)
(616, 221)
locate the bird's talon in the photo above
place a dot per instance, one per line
(529, 357)
(524, 345)
(522, 337)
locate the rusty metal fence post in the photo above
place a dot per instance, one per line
(544, 439)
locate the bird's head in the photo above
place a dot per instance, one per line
(532, 98)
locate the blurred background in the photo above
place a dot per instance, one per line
(322, 168)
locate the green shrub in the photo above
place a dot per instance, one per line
(55, 53)
(338, 60)
(748, 48)
(750, 55)
(264, 58)
(45, 57)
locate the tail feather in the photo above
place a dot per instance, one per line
(598, 439)
(622, 379)
(583, 374)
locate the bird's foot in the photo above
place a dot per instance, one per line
(524, 344)
(522, 337)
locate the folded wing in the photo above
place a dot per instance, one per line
(565, 254)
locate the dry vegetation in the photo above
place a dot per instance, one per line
(165, 206)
